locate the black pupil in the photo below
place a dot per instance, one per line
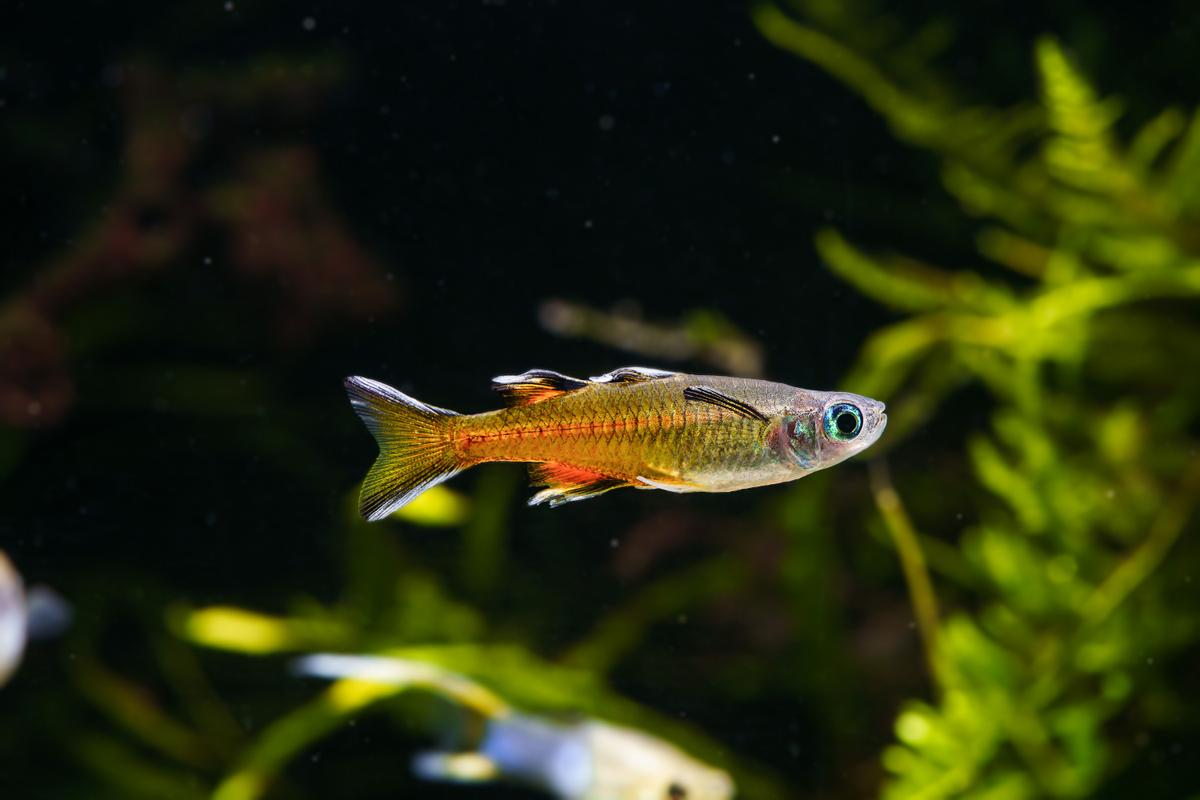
(847, 423)
(676, 792)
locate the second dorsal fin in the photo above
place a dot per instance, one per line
(534, 386)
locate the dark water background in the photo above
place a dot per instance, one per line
(478, 159)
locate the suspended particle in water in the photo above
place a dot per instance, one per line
(308, 23)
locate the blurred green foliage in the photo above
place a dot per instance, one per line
(1083, 331)
(389, 608)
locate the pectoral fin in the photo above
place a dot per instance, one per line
(705, 394)
(565, 483)
(677, 486)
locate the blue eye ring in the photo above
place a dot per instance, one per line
(843, 422)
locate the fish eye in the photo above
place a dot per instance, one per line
(676, 792)
(843, 422)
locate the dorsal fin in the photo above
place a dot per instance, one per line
(534, 386)
(705, 394)
(566, 483)
(633, 375)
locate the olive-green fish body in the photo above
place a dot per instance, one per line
(634, 427)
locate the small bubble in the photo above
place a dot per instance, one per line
(308, 23)
(613, 543)
(229, 5)
(1150, 661)
(775, 139)
(682, 619)
(606, 122)
(587, 223)
(750, 76)
(34, 408)
(958, 516)
(207, 261)
(1110, 494)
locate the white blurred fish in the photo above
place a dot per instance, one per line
(588, 760)
(38, 614)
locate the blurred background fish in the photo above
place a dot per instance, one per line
(38, 613)
(585, 760)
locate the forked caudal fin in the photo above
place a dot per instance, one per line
(415, 450)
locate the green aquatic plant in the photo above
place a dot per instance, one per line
(1079, 330)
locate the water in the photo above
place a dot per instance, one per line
(216, 212)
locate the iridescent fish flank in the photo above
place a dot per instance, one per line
(638, 427)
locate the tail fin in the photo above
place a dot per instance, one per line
(414, 451)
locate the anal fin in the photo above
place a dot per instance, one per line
(565, 483)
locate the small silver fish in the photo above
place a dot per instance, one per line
(38, 614)
(586, 760)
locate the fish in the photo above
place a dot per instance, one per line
(633, 427)
(586, 759)
(37, 614)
